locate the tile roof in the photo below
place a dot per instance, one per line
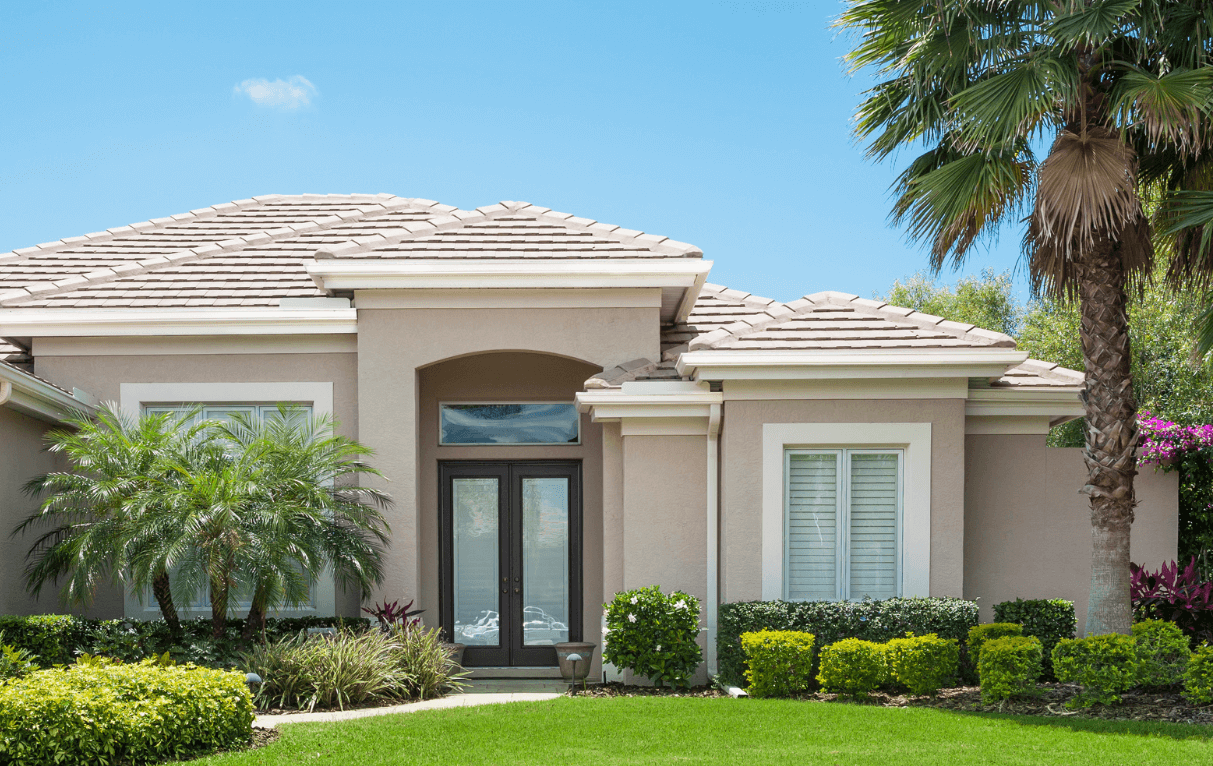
(1034, 373)
(13, 354)
(254, 252)
(717, 306)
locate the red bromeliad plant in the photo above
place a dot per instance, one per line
(394, 613)
(1176, 596)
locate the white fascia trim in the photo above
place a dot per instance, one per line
(513, 273)
(673, 413)
(205, 321)
(813, 364)
(1058, 404)
(913, 438)
(132, 397)
(36, 398)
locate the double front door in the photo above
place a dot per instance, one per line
(511, 559)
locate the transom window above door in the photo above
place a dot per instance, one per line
(487, 423)
(842, 524)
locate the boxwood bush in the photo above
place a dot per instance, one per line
(1009, 667)
(1198, 679)
(980, 634)
(58, 639)
(923, 664)
(832, 621)
(853, 667)
(1162, 653)
(1049, 619)
(1103, 665)
(780, 662)
(128, 714)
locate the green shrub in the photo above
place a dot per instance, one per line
(653, 635)
(979, 634)
(1104, 666)
(852, 667)
(1162, 653)
(306, 672)
(15, 663)
(1049, 619)
(59, 639)
(923, 664)
(780, 662)
(128, 714)
(1008, 667)
(1198, 679)
(832, 621)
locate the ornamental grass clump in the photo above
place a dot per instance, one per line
(853, 667)
(1162, 653)
(780, 662)
(1009, 667)
(923, 664)
(653, 634)
(1103, 665)
(1198, 678)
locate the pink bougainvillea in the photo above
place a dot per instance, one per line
(1163, 442)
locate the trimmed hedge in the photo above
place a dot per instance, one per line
(780, 662)
(1049, 619)
(1009, 667)
(853, 667)
(980, 634)
(923, 664)
(57, 639)
(1162, 653)
(832, 621)
(1198, 678)
(1103, 665)
(129, 714)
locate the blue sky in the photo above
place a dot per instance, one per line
(722, 124)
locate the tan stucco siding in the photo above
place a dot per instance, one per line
(394, 344)
(506, 377)
(1028, 530)
(103, 376)
(742, 486)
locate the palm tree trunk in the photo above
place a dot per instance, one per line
(1111, 442)
(256, 614)
(219, 596)
(164, 599)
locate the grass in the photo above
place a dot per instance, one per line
(708, 731)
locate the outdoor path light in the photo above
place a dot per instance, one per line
(574, 658)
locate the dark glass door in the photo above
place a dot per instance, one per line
(511, 559)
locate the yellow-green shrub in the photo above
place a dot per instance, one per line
(923, 664)
(111, 713)
(1103, 665)
(1009, 666)
(852, 666)
(780, 662)
(979, 634)
(1198, 679)
(1162, 653)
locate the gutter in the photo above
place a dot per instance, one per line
(6, 391)
(39, 399)
(713, 533)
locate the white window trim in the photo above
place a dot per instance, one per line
(914, 439)
(133, 397)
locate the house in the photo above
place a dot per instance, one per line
(567, 408)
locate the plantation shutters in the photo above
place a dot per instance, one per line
(843, 510)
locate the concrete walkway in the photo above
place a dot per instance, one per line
(455, 700)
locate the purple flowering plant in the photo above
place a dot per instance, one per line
(1188, 450)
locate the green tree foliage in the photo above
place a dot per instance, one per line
(987, 301)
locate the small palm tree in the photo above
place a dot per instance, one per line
(96, 509)
(1124, 91)
(264, 507)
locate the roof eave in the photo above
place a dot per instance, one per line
(737, 364)
(73, 322)
(38, 399)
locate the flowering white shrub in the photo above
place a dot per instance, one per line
(653, 635)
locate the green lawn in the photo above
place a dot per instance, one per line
(660, 731)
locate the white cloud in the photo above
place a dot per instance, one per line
(291, 93)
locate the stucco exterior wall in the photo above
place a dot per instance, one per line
(102, 376)
(742, 471)
(508, 377)
(1028, 530)
(395, 343)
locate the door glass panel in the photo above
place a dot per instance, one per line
(545, 561)
(475, 528)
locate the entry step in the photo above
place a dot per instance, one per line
(546, 674)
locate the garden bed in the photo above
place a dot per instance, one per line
(617, 689)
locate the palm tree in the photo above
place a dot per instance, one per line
(264, 508)
(95, 508)
(1123, 89)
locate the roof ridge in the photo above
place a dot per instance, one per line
(457, 218)
(809, 303)
(747, 299)
(189, 255)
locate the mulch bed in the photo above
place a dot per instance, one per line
(1166, 706)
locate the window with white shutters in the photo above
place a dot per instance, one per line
(842, 524)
